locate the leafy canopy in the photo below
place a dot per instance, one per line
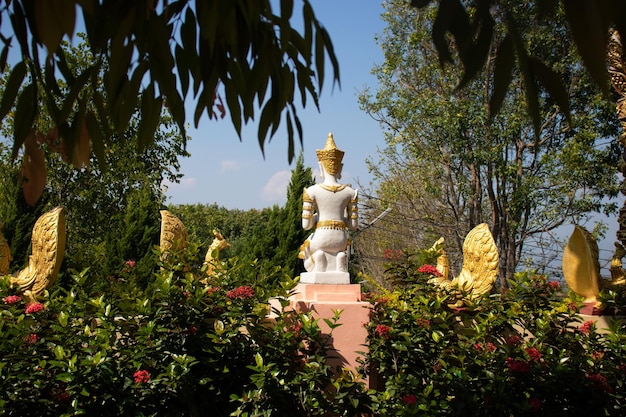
(238, 52)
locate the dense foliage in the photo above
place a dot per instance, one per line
(108, 346)
(180, 343)
(523, 353)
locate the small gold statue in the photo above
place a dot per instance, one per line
(581, 267)
(173, 234)
(213, 253)
(479, 270)
(48, 249)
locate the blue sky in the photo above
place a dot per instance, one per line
(235, 174)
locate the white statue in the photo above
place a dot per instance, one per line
(331, 208)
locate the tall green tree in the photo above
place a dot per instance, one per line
(289, 226)
(450, 165)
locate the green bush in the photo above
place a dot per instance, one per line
(176, 347)
(516, 354)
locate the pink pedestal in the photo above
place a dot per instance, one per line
(322, 300)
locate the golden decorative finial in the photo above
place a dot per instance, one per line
(330, 157)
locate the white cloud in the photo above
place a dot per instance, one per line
(275, 190)
(229, 165)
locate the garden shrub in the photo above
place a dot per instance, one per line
(174, 347)
(520, 353)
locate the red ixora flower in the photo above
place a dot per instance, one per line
(12, 299)
(429, 269)
(587, 327)
(31, 339)
(409, 399)
(141, 376)
(130, 263)
(243, 292)
(513, 340)
(555, 285)
(382, 330)
(515, 365)
(533, 354)
(34, 308)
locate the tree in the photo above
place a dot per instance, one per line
(98, 192)
(450, 165)
(235, 54)
(289, 230)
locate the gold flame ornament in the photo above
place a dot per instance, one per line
(44, 263)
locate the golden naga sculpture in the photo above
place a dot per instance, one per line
(213, 253)
(173, 236)
(479, 270)
(48, 249)
(581, 267)
(5, 255)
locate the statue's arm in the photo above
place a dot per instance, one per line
(353, 211)
(308, 211)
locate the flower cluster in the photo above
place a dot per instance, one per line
(34, 308)
(489, 347)
(409, 400)
(382, 330)
(533, 354)
(242, 292)
(587, 327)
(429, 269)
(141, 376)
(31, 339)
(12, 299)
(555, 285)
(517, 366)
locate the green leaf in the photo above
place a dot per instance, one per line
(11, 88)
(502, 74)
(150, 117)
(24, 116)
(476, 56)
(65, 377)
(552, 82)
(589, 25)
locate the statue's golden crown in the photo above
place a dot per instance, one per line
(330, 156)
